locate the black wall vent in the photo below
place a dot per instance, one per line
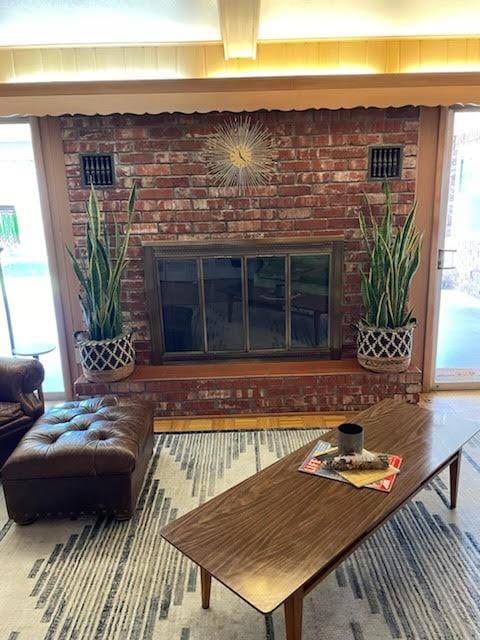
(384, 162)
(97, 169)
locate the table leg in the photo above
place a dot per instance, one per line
(206, 580)
(40, 389)
(454, 479)
(294, 615)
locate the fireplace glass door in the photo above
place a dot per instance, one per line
(266, 302)
(180, 305)
(222, 283)
(309, 286)
(242, 304)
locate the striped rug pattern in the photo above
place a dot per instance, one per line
(417, 578)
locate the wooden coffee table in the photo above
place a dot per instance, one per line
(275, 536)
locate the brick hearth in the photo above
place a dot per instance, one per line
(259, 387)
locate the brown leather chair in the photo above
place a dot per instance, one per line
(20, 406)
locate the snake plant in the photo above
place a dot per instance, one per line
(394, 257)
(101, 272)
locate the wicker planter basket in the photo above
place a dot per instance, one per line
(385, 350)
(106, 360)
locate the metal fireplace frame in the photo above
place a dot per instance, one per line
(241, 248)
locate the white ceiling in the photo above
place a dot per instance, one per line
(43, 22)
(47, 22)
(303, 19)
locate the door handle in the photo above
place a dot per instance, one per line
(441, 259)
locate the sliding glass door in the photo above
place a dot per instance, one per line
(27, 283)
(458, 346)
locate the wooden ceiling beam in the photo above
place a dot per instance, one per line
(239, 27)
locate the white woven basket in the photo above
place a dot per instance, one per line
(107, 360)
(385, 350)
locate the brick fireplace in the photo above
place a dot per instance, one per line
(319, 181)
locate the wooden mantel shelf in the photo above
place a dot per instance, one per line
(245, 369)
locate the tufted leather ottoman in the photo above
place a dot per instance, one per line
(81, 457)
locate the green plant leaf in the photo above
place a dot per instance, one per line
(100, 278)
(394, 256)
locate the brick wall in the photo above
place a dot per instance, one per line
(321, 165)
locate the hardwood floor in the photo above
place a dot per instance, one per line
(466, 403)
(270, 421)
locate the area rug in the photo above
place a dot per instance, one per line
(417, 578)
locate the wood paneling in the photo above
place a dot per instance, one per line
(392, 57)
(7, 73)
(374, 55)
(409, 55)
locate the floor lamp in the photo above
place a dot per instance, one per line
(6, 306)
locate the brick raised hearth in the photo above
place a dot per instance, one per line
(203, 389)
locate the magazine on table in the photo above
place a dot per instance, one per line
(314, 465)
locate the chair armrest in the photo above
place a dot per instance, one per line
(19, 378)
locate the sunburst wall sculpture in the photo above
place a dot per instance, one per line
(240, 154)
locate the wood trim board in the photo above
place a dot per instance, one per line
(437, 233)
(425, 189)
(240, 94)
(58, 230)
(257, 368)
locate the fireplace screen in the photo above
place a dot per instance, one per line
(244, 298)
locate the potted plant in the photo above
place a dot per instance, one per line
(385, 333)
(106, 351)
